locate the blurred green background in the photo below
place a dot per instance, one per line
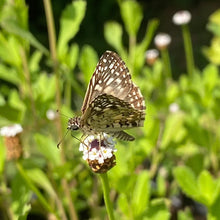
(171, 170)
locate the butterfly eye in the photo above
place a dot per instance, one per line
(73, 127)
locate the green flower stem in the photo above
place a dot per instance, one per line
(29, 183)
(53, 52)
(188, 49)
(166, 61)
(132, 47)
(106, 191)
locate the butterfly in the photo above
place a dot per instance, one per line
(113, 103)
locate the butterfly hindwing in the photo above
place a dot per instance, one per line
(107, 113)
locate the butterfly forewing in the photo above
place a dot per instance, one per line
(112, 77)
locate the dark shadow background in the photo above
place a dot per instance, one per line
(98, 12)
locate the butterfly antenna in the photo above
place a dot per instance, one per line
(77, 138)
(58, 145)
(58, 112)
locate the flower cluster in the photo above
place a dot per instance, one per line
(12, 141)
(98, 151)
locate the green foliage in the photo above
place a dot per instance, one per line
(212, 53)
(177, 151)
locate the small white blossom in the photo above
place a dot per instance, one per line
(182, 17)
(94, 150)
(174, 107)
(11, 131)
(151, 54)
(51, 114)
(162, 40)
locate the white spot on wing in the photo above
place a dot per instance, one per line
(109, 81)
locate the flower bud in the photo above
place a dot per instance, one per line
(181, 17)
(162, 41)
(98, 151)
(151, 56)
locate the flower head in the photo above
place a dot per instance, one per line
(51, 114)
(162, 41)
(182, 17)
(98, 151)
(151, 56)
(173, 107)
(11, 131)
(12, 141)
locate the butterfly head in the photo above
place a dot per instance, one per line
(73, 123)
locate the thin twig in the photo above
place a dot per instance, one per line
(52, 43)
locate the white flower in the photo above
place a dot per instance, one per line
(182, 17)
(94, 150)
(51, 114)
(151, 54)
(162, 40)
(11, 131)
(174, 107)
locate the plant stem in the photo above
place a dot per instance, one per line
(28, 81)
(156, 156)
(52, 43)
(188, 49)
(166, 61)
(132, 47)
(106, 192)
(41, 198)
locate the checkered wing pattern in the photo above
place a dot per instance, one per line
(112, 77)
(113, 102)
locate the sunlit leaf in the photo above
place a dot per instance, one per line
(69, 24)
(88, 61)
(132, 15)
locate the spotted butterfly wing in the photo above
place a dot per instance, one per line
(112, 102)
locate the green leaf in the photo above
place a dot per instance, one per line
(2, 155)
(38, 177)
(9, 74)
(141, 193)
(123, 204)
(45, 87)
(2, 100)
(157, 210)
(10, 50)
(214, 211)
(15, 101)
(173, 126)
(48, 148)
(215, 17)
(139, 57)
(210, 76)
(132, 15)
(34, 62)
(69, 24)
(187, 181)
(10, 113)
(213, 52)
(113, 35)
(12, 28)
(88, 61)
(208, 187)
(172, 92)
(72, 56)
(21, 196)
